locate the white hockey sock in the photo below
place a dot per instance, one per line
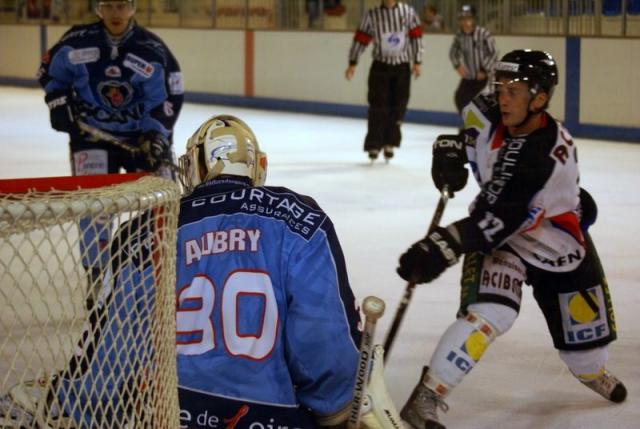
(466, 340)
(586, 364)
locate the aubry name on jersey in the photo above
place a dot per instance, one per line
(217, 242)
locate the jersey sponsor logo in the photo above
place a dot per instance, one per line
(393, 43)
(571, 258)
(498, 282)
(231, 423)
(504, 170)
(535, 215)
(77, 33)
(471, 120)
(90, 162)
(207, 419)
(138, 65)
(584, 316)
(300, 218)
(115, 94)
(176, 83)
(113, 71)
(84, 55)
(502, 274)
(123, 116)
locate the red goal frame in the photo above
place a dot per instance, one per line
(65, 183)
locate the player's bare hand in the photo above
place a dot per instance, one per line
(481, 75)
(461, 71)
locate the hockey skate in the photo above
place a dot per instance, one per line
(373, 155)
(388, 153)
(421, 410)
(24, 407)
(608, 386)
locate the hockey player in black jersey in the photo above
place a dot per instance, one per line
(528, 225)
(121, 79)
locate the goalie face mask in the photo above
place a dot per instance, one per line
(223, 145)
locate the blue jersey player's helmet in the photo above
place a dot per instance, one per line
(223, 145)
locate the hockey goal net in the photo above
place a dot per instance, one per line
(87, 302)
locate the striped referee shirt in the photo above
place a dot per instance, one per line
(396, 35)
(476, 51)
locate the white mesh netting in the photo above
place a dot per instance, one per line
(87, 307)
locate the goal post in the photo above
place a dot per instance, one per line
(63, 363)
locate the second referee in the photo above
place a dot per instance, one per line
(396, 32)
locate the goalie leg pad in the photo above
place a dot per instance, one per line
(466, 340)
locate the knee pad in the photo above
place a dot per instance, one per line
(499, 317)
(585, 364)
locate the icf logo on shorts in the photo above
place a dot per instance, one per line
(580, 321)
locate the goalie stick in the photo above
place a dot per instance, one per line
(100, 135)
(408, 291)
(378, 411)
(373, 308)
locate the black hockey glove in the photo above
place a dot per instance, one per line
(428, 258)
(449, 158)
(62, 111)
(154, 148)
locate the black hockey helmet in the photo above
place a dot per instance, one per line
(537, 68)
(467, 11)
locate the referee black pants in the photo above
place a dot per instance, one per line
(467, 91)
(388, 97)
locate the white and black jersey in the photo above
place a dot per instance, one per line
(475, 51)
(396, 33)
(529, 190)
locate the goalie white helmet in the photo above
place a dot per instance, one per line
(223, 145)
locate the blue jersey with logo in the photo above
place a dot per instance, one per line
(267, 325)
(125, 86)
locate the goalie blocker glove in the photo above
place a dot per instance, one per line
(428, 258)
(62, 111)
(154, 149)
(449, 158)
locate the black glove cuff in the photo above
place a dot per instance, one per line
(471, 237)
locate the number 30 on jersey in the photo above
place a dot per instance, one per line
(195, 317)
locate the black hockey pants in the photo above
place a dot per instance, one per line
(388, 97)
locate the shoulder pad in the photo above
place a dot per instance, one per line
(482, 113)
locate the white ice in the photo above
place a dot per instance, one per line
(378, 211)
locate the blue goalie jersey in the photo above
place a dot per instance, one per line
(267, 325)
(125, 86)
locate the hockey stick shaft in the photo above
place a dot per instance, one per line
(100, 135)
(373, 308)
(408, 290)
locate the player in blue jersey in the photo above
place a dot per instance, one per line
(528, 225)
(267, 324)
(119, 78)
